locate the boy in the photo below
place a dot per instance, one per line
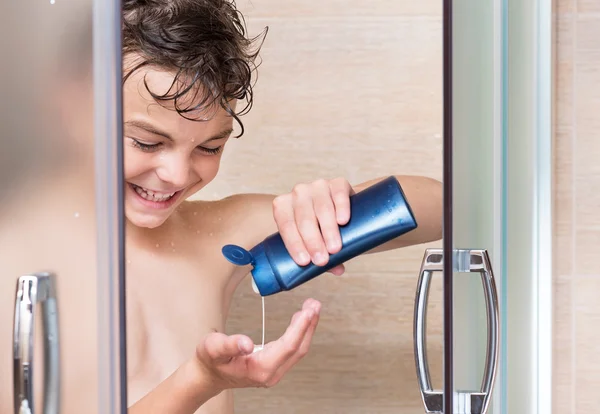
(188, 66)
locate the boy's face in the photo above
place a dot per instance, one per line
(167, 157)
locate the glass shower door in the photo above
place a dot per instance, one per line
(474, 220)
(469, 262)
(61, 244)
(497, 255)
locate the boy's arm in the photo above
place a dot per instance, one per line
(265, 214)
(425, 196)
(228, 361)
(308, 217)
(182, 393)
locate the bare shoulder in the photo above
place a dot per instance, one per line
(244, 219)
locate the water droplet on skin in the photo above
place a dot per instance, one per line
(219, 218)
(128, 261)
(210, 234)
(157, 245)
(173, 250)
(195, 213)
(76, 215)
(197, 231)
(172, 244)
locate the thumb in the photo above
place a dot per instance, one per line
(221, 348)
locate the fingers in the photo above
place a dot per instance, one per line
(341, 190)
(279, 352)
(289, 344)
(307, 222)
(309, 218)
(221, 348)
(316, 306)
(325, 211)
(304, 346)
(283, 212)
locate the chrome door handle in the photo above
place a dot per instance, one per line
(33, 290)
(464, 261)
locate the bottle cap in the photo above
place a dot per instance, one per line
(237, 255)
(264, 281)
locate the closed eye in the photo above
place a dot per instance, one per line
(211, 151)
(144, 147)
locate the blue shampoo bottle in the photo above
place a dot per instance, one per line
(378, 213)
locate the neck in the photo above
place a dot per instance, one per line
(145, 237)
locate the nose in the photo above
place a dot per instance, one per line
(174, 169)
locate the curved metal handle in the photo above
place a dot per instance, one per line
(33, 290)
(463, 261)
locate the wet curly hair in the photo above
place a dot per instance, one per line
(203, 42)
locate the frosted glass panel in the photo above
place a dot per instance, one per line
(53, 220)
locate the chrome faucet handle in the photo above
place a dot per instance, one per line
(33, 290)
(464, 261)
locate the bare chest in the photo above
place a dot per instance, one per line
(171, 306)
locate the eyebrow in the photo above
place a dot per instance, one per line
(151, 129)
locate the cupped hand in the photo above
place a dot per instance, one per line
(230, 360)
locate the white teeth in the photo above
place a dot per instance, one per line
(151, 195)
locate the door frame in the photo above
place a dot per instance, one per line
(108, 137)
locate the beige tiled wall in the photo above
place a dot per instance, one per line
(355, 90)
(349, 88)
(577, 208)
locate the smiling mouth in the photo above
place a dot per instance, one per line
(153, 195)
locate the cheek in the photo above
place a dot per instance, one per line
(207, 167)
(135, 163)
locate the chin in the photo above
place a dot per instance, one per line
(144, 221)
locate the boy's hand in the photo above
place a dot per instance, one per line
(309, 217)
(229, 361)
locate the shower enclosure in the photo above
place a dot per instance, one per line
(61, 218)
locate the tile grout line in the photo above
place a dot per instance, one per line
(573, 212)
